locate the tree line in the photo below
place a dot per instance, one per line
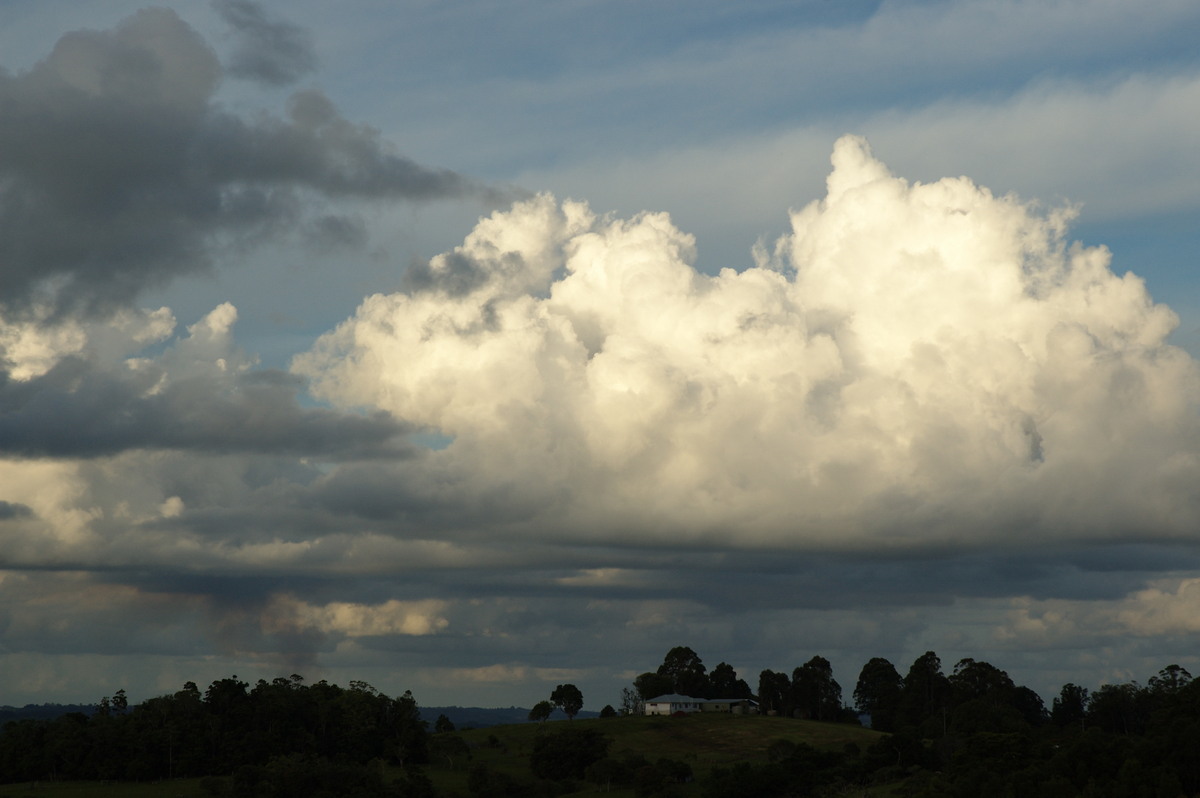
(969, 733)
(682, 672)
(809, 692)
(260, 737)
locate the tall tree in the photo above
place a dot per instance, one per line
(408, 735)
(228, 706)
(568, 698)
(1118, 708)
(877, 693)
(1170, 679)
(772, 693)
(1030, 705)
(724, 683)
(973, 679)
(1070, 707)
(926, 694)
(687, 672)
(541, 710)
(652, 685)
(817, 694)
(631, 701)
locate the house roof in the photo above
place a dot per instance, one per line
(675, 698)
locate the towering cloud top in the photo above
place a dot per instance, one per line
(913, 365)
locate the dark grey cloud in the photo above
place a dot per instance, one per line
(276, 52)
(76, 411)
(336, 231)
(10, 510)
(119, 172)
(315, 147)
(458, 274)
(391, 493)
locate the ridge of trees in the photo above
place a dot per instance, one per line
(683, 673)
(969, 732)
(228, 727)
(972, 732)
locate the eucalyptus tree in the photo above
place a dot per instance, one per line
(568, 698)
(878, 693)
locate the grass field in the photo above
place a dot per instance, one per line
(179, 788)
(704, 741)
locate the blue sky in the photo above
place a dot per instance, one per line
(260, 255)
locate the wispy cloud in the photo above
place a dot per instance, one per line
(276, 51)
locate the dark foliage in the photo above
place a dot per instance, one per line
(687, 673)
(484, 782)
(660, 779)
(744, 780)
(652, 685)
(567, 754)
(724, 683)
(295, 776)
(793, 769)
(541, 711)
(229, 728)
(815, 694)
(972, 734)
(568, 698)
(449, 749)
(878, 693)
(773, 691)
(926, 696)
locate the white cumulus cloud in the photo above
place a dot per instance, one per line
(912, 364)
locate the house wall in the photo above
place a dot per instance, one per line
(665, 708)
(670, 708)
(735, 707)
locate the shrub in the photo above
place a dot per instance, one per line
(567, 754)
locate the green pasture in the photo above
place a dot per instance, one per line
(703, 740)
(178, 788)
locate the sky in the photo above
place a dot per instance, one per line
(471, 348)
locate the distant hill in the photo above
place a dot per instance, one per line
(43, 711)
(481, 718)
(461, 717)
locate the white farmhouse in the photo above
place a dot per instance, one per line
(673, 702)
